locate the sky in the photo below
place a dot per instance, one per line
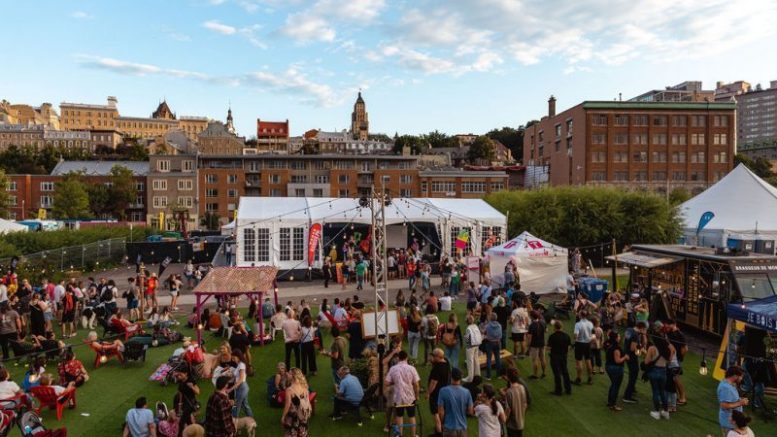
(458, 66)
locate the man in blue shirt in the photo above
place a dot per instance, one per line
(349, 394)
(493, 344)
(485, 293)
(140, 421)
(453, 405)
(728, 398)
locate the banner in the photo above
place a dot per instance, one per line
(462, 239)
(163, 265)
(313, 236)
(705, 218)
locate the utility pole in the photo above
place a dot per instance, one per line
(377, 204)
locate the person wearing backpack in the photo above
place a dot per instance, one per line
(472, 340)
(452, 340)
(430, 327)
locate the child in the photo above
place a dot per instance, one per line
(596, 347)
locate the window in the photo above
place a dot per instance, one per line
(187, 165)
(186, 201)
(640, 176)
(140, 200)
(343, 193)
(47, 186)
(212, 192)
(599, 120)
(569, 127)
(140, 186)
(163, 165)
(678, 157)
(598, 139)
(211, 179)
(455, 230)
(343, 178)
(275, 178)
(249, 244)
(620, 157)
(211, 207)
(405, 192)
(679, 121)
(473, 187)
(12, 186)
(621, 176)
(659, 120)
(405, 179)
(46, 201)
(299, 179)
(659, 139)
(639, 157)
(160, 201)
(678, 175)
(621, 139)
(318, 192)
(385, 179)
(424, 188)
(659, 157)
(443, 186)
(659, 175)
(721, 157)
(557, 145)
(275, 192)
(298, 244)
(284, 237)
(322, 179)
(185, 184)
(621, 120)
(640, 139)
(159, 184)
(698, 175)
(678, 139)
(640, 120)
(497, 186)
(232, 192)
(299, 192)
(12, 200)
(720, 121)
(598, 156)
(698, 121)
(542, 135)
(697, 139)
(720, 139)
(697, 158)
(232, 179)
(298, 165)
(599, 176)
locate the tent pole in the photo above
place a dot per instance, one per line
(614, 266)
(199, 320)
(261, 320)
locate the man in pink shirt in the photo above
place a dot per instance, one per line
(292, 332)
(404, 379)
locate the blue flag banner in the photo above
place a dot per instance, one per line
(705, 218)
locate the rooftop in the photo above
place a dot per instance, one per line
(606, 104)
(99, 168)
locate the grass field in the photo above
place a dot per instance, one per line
(113, 389)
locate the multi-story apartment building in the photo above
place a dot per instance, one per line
(757, 122)
(343, 143)
(30, 193)
(654, 145)
(460, 183)
(39, 135)
(172, 185)
(688, 91)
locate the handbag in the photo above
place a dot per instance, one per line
(449, 339)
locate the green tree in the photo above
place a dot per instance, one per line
(481, 150)
(438, 139)
(512, 138)
(679, 195)
(4, 196)
(121, 191)
(416, 144)
(99, 200)
(760, 166)
(71, 200)
(211, 221)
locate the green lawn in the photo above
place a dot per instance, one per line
(113, 389)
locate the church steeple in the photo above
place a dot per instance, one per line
(230, 121)
(360, 124)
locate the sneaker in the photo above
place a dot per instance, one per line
(615, 408)
(336, 417)
(629, 401)
(655, 415)
(664, 414)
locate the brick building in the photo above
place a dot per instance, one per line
(172, 185)
(271, 137)
(653, 145)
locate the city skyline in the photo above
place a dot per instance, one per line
(494, 61)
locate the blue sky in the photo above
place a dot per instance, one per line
(455, 65)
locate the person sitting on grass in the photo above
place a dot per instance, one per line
(72, 370)
(32, 376)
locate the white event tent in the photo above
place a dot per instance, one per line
(745, 208)
(7, 226)
(275, 230)
(542, 266)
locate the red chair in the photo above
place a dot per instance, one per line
(122, 330)
(47, 397)
(101, 353)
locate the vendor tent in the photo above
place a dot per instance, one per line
(7, 226)
(761, 313)
(744, 208)
(276, 230)
(542, 266)
(229, 228)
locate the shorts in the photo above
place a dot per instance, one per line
(48, 316)
(174, 293)
(582, 351)
(536, 352)
(409, 409)
(68, 316)
(433, 404)
(472, 305)
(131, 305)
(517, 336)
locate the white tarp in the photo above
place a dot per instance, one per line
(542, 266)
(7, 226)
(745, 206)
(229, 228)
(288, 218)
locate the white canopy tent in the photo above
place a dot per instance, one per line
(542, 266)
(275, 230)
(229, 228)
(745, 208)
(7, 226)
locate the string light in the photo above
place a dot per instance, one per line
(103, 359)
(703, 364)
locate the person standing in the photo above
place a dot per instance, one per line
(559, 343)
(490, 413)
(240, 385)
(472, 340)
(355, 339)
(430, 327)
(439, 377)
(536, 341)
(516, 403)
(140, 421)
(308, 347)
(493, 344)
(613, 362)
(403, 380)
(676, 337)
(297, 408)
(657, 359)
(520, 322)
(327, 271)
(452, 340)
(728, 398)
(292, 331)
(633, 341)
(584, 331)
(336, 353)
(361, 270)
(414, 322)
(454, 404)
(10, 327)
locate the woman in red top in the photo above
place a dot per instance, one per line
(68, 313)
(411, 273)
(151, 285)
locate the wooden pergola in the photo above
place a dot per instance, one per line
(254, 282)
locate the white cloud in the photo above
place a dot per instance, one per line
(294, 82)
(135, 68)
(305, 27)
(179, 36)
(81, 15)
(318, 22)
(218, 27)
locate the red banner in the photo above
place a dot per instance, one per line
(313, 236)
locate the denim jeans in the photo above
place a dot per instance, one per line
(241, 401)
(616, 378)
(657, 376)
(452, 354)
(633, 365)
(359, 282)
(413, 339)
(492, 350)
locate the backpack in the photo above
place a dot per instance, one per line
(432, 326)
(304, 408)
(267, 310)
(475, 337)
(106, 295)
(449, 338)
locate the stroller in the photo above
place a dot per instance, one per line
(164, 374)
(30, 424)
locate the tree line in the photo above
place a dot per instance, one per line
(481, 150)
(75, 198)
(32, 160)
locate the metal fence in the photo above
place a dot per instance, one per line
(84, 257)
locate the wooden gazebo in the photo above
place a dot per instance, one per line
(254, 282)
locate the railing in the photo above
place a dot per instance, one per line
(86, 256)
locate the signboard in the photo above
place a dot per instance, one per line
(368, 324)
(473, 263)
(766, 267)
(313, 236)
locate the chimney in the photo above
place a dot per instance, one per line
(112, 101)
(551, 106)
(719, 84)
